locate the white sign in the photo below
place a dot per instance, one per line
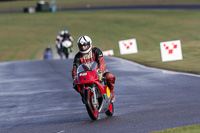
(171, 50)
(128, 46)
(108, 53)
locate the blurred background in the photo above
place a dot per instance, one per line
(28, 27)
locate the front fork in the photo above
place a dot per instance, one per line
(93, 97)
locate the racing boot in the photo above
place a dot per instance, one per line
(112, 96)
(111, 83)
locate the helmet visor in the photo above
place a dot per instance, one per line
(84, 47)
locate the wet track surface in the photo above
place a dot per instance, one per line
(37, 97)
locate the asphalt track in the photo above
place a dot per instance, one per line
(37, 97)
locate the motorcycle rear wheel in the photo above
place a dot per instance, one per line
(92, 111)
(110, 111)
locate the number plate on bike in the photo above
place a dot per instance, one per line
(82, 74)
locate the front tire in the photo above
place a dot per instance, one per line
(92, 111)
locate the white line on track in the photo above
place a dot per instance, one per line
(61, 131)
(162, 70)
(181, 73)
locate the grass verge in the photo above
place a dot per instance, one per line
(24, 36)
(187, 129)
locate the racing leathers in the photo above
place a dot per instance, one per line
(58, 45)
(95, 54)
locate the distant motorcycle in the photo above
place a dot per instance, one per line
(66, 48)
(96, 94)
(48, 53)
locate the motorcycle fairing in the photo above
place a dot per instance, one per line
(86, 77)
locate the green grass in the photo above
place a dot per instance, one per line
(24, 36)
(187, 129)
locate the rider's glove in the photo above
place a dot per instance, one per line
(75, 86)
(100, 75)
(74, 83)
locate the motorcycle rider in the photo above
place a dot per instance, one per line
(67, 43)
(48, 53)
(63, 37)
(66, 36)
(58, 45)
(88, 53)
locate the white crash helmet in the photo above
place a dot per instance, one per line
(61, 33)
(84, 41)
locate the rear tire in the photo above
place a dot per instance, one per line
(110, 111)
(92, 111)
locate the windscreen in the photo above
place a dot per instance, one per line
(89, 66)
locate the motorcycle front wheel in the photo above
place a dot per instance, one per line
(91, 109)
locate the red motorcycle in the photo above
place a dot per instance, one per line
(95, 93)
